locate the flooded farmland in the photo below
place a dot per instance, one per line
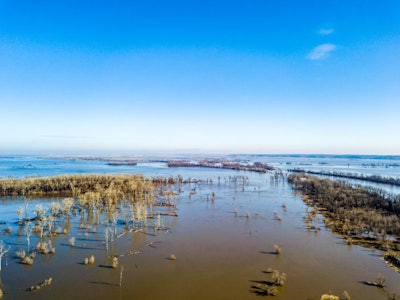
(217, 242)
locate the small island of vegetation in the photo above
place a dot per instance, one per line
(222, 164)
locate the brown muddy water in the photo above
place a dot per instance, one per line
(219, 255)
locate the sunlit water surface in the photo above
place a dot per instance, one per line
(219, 255)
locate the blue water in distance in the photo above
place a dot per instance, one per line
(23, 165)
(20, 166)
(387, 166)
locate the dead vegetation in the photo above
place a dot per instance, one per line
(269, 287)
(329, 297)
(117, 204)
(222, 164)
(362, 215)
(370, 178)
(380, 282)
(88, 187)
(277, 249)
(47, 282)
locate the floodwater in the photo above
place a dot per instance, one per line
(219, 255)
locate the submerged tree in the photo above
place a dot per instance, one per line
(28, 233)
(3, 250)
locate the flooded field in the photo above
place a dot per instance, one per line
(219, 246)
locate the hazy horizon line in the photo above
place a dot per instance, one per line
(116, 153)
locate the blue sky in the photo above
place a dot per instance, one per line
(210, 76)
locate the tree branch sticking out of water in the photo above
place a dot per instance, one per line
(380, 282)
(3, 250)
(28, 233)
(120, 275)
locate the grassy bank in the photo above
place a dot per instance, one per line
(362, 215)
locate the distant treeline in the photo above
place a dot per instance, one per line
(370, 178)
(358, 212)
(222, 164)
(122, 163)
(376, 165)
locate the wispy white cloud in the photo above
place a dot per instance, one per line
(326, 31)
(321, 52)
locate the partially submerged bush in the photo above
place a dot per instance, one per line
(45, 283)
(114, 262)
(269, 288)
(329, 297)
(277, 249)
(45, 248)
(72, 241)
(277, 216)
(25, 258)
(278, 278)
(89, 260)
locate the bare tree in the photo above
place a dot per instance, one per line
(28, 232)
(3, 250)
